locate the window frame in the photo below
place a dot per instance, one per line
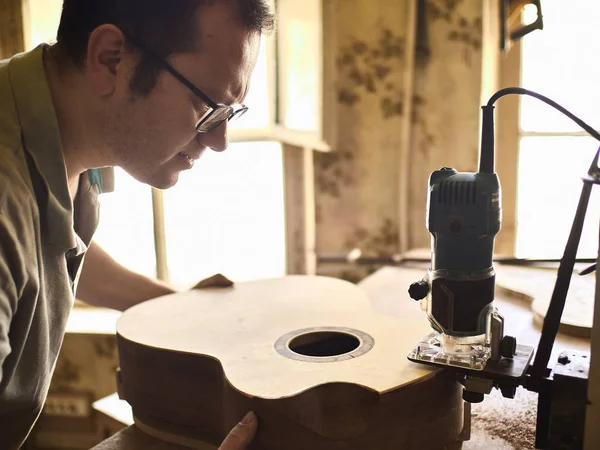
(508, 135)
(235, 136)
(297, 147)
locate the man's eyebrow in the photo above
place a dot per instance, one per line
(231, 98)
(216, 97)
(225, 99)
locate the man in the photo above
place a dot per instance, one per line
(147, 86)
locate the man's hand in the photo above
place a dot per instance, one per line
(242, 433)
(217, 280)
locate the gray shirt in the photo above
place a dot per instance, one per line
(43, 239)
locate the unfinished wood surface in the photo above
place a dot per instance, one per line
(507, 148)
(306, 74)
(405, 148)
(299, 206)
(535, 286)
(193, 364)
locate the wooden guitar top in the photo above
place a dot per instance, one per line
(240, 326)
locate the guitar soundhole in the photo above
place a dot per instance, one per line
(324, 343)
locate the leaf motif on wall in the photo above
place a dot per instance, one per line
(463, 30)
(381, 241)
(333, 171)
(426, 138)
(355, 275)
(105, 347)
(442, 9)
(366, 68)
(66, 374)
(347, 97)
(390, 108)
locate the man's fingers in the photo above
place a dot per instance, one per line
(217, 280)
(242, 433)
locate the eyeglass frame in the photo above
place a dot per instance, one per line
(214, 106)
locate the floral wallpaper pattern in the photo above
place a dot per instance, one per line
(87, 363)
(447, 93)
(86, 368)
(368, 67)
(357, 184)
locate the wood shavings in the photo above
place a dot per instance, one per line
(512, 420)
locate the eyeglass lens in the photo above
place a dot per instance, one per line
(218, 116)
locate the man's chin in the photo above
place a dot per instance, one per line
(162, 180)
(165, 183)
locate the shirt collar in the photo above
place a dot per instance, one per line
(42, 140)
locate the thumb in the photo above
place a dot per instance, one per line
(241, 435)
(218, 280)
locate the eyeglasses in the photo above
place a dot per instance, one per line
(217, 113)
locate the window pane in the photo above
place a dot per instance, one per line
(549, 186)
(560, 62)
(44, 20)
(258, 98)
(299, 42)
(126, 229)
(227, 215)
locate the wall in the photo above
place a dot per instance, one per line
(85, 372)
(358, 198)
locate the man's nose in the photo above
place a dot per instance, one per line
(216, 139)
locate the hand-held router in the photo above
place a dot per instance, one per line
(457, 294)
(463, 217)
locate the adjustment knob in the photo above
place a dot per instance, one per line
(508, 346)
(418, 290)
(472, 397)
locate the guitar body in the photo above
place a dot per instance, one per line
(308, 355)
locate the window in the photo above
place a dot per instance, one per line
(225, 215)
(42, 21)
(559, 62)
(126, 229)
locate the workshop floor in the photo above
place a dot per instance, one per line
(515, 431)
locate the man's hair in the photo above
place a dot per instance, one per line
(164, 26)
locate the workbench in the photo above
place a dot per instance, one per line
(496, 423)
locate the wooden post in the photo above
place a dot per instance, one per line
(160, 240)
(507, 150)
(299, 210)
(405, 148)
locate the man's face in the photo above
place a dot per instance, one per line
(154, 137)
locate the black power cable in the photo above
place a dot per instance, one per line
(567, 262)
(486, 157)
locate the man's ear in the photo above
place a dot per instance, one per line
(106, 57)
